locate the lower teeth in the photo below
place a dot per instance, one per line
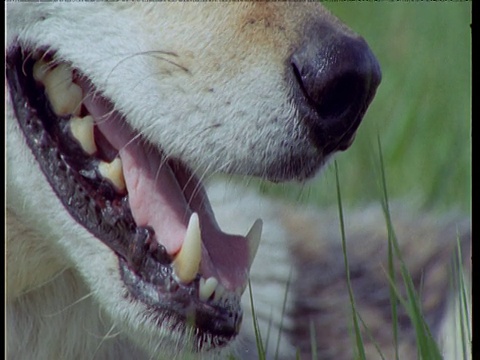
(207, 288)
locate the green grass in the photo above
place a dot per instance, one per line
(464, 306)
(258, 336)
(427, 347)
(358, 334)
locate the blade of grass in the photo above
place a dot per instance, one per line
(370, 336)
(269, 328)
(428, 348)
(313, 340)
(391, 264)
(258, 337)
(463, 309)
(284, 307)
(358, 335)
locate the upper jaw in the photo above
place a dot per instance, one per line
(62, 132)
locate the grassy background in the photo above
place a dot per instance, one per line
(421, 114)
(422, 111)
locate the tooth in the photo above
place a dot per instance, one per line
(82, 130)
(207, 287)
(40, 70)
(253, 239)
(113, 172)
(187, 262)
(219, 291)
(65, 96)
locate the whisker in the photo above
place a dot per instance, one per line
(136, 137)
(39, 286)
(105, 337)
(83, 298)
(152, 53)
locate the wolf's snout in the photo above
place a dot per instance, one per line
(338, 76)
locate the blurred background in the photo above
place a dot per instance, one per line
(421, 113)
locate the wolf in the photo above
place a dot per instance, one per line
(118, 114)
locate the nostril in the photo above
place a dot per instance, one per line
(332, 98)
(339, 96)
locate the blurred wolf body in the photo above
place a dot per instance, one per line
(302, 247)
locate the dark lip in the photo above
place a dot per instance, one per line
(145, 267)
(223, 322)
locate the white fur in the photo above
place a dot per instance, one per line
(225, 71)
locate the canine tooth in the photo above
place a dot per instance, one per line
(187, 262)
(253, 239)
(113, 172)
(207, 287)
(65, 96)
(82, 130)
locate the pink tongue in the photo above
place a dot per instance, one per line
(158, 200)
(154, 196)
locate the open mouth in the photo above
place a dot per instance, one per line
(149, 209)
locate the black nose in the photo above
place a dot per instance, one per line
(338, 76)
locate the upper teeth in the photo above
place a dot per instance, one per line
(113, 171)
(65, 96)
(82, 130)
(40, 69)
(66, 99)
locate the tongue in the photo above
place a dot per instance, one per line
(164, 199)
